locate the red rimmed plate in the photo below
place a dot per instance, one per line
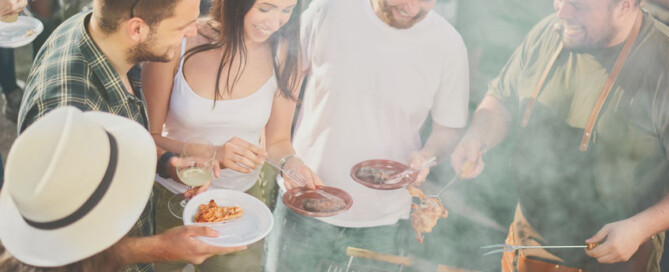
(374, 173)
(311, 203)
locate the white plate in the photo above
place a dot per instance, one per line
(254, 225)
(13, 35)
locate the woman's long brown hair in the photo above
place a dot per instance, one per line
(227, 21)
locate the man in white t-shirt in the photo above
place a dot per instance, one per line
(376, 69)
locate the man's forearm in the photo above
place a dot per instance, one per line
(134, 250)
(490, 123)
(654, 219)
(441, 141)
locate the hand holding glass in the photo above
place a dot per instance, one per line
(195, 168)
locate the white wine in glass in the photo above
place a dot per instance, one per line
(195, 168)
(194, 176)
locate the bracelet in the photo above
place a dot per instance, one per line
(286, 158)
(161, 168)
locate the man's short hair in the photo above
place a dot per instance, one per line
(113, 12)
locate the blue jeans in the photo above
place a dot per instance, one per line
(300, 243)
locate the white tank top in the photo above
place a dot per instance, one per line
(191, 115)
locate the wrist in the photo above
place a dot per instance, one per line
(161, 166)
(134, 250)
(646, 223)
(424, 154)
(286, 159)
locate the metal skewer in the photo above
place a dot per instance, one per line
(499, 248)
(466, 168)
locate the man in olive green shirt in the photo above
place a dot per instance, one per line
(609, 188)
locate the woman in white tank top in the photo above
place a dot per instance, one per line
(239, 77)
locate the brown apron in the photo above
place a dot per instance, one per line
(556, 182)
(529, 260)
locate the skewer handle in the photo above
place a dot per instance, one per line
(590, 246)
(368, 254)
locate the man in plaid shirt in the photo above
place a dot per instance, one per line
(86, 63)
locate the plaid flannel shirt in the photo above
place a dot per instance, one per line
(71, 70)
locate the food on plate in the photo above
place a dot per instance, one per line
(424, 216)
(213, 213)
(323, 205)
(376, 175)
(29, 33)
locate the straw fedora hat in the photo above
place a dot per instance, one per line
(75, 183)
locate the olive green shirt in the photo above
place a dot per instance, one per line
(566, 194)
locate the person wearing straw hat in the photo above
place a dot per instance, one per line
(87, 63)
(76, 183)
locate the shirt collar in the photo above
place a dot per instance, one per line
(104, 70)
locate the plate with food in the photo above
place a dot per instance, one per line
(19, 33)
(322, 202)
(380, 174)
(240, 218)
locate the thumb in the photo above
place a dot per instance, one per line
(415, 162)
(217, 169)
(189, 193)
(473, 154)
(203, 231)
(422, 174)
(599, 236)
(458, 157)
(174, 161)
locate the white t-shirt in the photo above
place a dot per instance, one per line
(370, 89)
(191, 115)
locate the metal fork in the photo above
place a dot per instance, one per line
(300, 179)
(500, 248)
(401, 175)
(467, 167)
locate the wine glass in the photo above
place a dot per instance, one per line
(195, 168)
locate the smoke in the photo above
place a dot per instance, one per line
(482, 209)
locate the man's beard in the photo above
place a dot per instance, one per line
(585, 43)
(389, 18)
(142, 52)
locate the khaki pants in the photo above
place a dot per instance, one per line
(247, 260)
(647, 258)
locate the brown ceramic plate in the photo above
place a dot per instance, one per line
(389, 167)
(311, 203)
